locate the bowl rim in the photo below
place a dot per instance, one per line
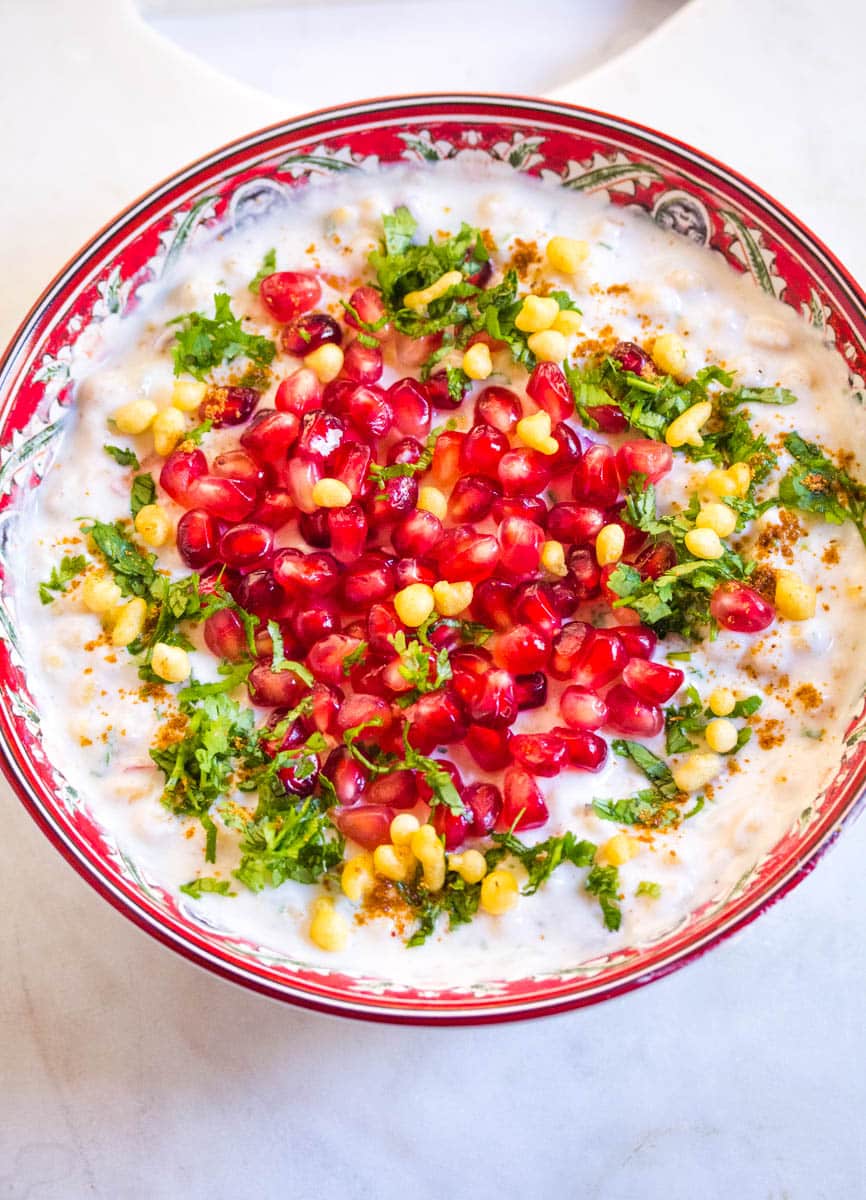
(508, 1009)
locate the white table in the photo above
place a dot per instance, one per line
(128, 1073)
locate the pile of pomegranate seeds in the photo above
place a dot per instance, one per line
(321, 520)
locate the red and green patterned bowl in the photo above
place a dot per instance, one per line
(574, 148)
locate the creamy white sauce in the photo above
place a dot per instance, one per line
(99, 730)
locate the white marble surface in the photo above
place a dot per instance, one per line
(128, 1073)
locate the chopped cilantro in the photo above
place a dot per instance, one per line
(194, 436)
(269, 265)
(692, 718)
(134, 572)
(281, 663)
(645, 888)
(296, 842)
(654, 806)
(143, 493)
(123, 457)
(206, 883)
(542, 859)
(61, 576)
(202, 343)
(356, 656)
(814, 484)
(233, 675)
(603, 883)
(380, 475)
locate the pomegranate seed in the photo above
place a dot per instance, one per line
(643, 457)
(578, 523)
(325, 659)
(274, 688)
(570, 450)
(314, 620)
(531, 690)
(533, 604)
(321, 434)
(445, 637)
(314, 527)
(565, 596)
(412, 351)
(228, 405)
(492, 603)
(520, 543)
(436, 719)
(451, 827)
(370, 578)
(604, 581)
(585, 749)
(347, 776)
(326, 705)
(198, 536)
(548, 387)
(335, 394)
(412, 570)
(567, 647)
(524, 806)
(366, 309)
(439, 391)
(469, 665)
(741, 609)
(369, 410)
(179, 471)
(540, 753)
(635, 539)
(274, 508)
(652, 682)
(237, 464)
(361, 709)
(261, 595)
(446, 456)
(271, 435)
(351, 465)
(523, 472)
(481, 450)
(631, 358)
(246, 544)
(292, 736)
(392, 501)
(302, 475)
(495, 700)
(225, 636)
(472, 498)
(489, 747)
(655, 560)
(531, 508)
(522, 650)
(581, 708)
(499, 407)
(399, 789)
(596, 479)
(463, 554)
(287, 294)
(299, 393)
(297, 572)
(382, 625)
(484, 801)
(407, 450)
(638, 642)
(417, 534)
(410, 406)
(627, 713)
(608, 417)
(583, 571)
(362, 363)
(301, 775)
(309, 332)
(367, 824)
(600, 661)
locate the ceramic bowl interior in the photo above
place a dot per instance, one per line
(681, 190)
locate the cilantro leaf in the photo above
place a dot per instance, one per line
(645, 888)
(603, 883)
(206, 883)
(143, 493)
(281, 663)
(815, 484)
(134, 572)
(654, 806)
(202, 343)
(542, 859)
(194, 436)
(298, 842)
(269, 265)
(61, 576)
(122, 456)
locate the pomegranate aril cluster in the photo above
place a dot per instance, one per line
(319, 520)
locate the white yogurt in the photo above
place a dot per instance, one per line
(97, 727)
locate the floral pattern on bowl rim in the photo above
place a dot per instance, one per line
(682, 190)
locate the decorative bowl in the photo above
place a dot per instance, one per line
(681, 189)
